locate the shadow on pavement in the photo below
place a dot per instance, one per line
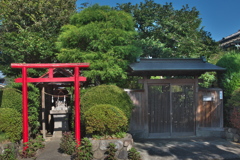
(188, 148)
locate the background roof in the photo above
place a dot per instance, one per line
(172, 67)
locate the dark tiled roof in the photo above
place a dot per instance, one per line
(231, 40)
(171, 67)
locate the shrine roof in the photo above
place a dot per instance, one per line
(172, 67)
(57, 72)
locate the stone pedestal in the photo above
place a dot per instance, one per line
(123, 145)
(60, 118)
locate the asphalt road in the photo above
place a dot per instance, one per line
(188, 149)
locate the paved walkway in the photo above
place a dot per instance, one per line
(166, 149)
(51, 152)
(188, 149)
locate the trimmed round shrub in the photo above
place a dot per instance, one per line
(105, 120)
(11, 123)
(11, 98)
(107, 94)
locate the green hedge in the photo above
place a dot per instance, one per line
(105, 120)
(33, 106)
(107, 94)
(229, 80)
(11, 123)
(234, 101)
(11, 98)
(232, 110)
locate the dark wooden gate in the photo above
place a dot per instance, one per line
(171, 109)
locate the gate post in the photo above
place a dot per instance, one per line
(25, 106)
(77, 107)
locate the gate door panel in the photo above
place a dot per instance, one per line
(171, 109)
(159, 110)
(182, 109)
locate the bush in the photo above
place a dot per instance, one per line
(84, 152)
(133, 154)
(33, 146)
(105, 120)
(234, 101)
(11, 123)
(233, 107)
(11, 98)
(68, 143)
(33, 106)
(69, 146)
(111, 152)
(235, 118)
(107, 94)
(3, 137)
(9, 153)
(229, 80)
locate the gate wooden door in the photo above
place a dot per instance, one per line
(171, 109)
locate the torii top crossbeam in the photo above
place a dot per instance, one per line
(24, 80)
(49, 65)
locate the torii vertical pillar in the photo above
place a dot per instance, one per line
(24, 80)
(24, 106)
(77, 108)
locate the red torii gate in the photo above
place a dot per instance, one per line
(24, 80)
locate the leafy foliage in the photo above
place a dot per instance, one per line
(11, 123)
(26, 47)
(133, 154)
(9, 153)
(153, 47)
(2, 137)
(33, 106)
(33, 146)
(103, 37)
(233, 109)
(179, 31)
(111, 151)
(107, 94)
(68, 143)
(234, 101)
(209, 79)
(11, 98)
(105, 120)
(235, 118)
(229, 80)
(84, 152)
(29, 30)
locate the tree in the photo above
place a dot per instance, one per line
(178, 30)
(29, 30)
(103, 37)
(229, 80)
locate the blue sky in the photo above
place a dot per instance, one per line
(219, 17)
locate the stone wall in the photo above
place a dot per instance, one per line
(232, 134)
(123, 145)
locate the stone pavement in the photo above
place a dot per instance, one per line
(51, 152)
(165, 149)
(188, 149)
